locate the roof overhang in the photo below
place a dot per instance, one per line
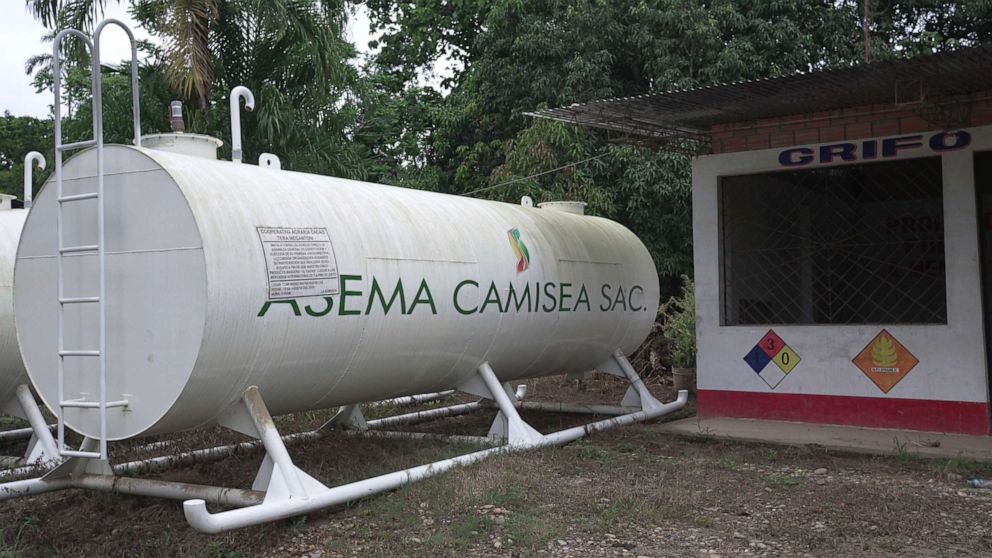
(690, 114)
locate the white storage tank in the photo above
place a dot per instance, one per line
(12, 372)
(196, 145)
(320, 291)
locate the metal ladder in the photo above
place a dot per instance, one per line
(100, 353)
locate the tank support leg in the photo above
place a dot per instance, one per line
(637, 394)
(283, 478)
(289, 491)
(281, 505)
(637, 398)
(350, 417)
(41, 447)
(508, 424)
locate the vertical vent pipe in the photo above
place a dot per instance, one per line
(237, 93)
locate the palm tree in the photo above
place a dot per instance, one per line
(291, 53)
(185, 25)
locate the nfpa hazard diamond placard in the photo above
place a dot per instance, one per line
(772, 349)
(885, 361)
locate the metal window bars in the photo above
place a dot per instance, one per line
(64, 250)
(855, 244)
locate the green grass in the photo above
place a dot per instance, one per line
(904, 456)
(964, 467)
(218, 549)
(781, 480)
(9, 423)
(589, 452)
(531, 530)
(729, 464)
(13, 538)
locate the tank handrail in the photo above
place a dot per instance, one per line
(237, 93)
(57, 83)
(135, 91)
(29, 159)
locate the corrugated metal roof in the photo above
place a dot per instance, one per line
(691, 113)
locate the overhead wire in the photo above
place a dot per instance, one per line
(563, 167)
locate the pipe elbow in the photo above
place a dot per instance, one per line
(199, 518)
(244, 93)
(35, 157)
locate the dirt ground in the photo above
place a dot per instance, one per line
(628, 492)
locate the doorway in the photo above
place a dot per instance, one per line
(983, 191)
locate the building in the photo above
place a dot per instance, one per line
(842, 230)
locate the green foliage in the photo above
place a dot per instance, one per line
(512, 56)
(391, 120)
(678, 322)
(290, 53)
(117, 119)
(13, 538)
(923, 26)
(529, 167)
(781, 480)
(18, 136)
(729, 464)
(217, 549)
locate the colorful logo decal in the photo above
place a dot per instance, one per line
(885, 361)
(771, 348)
(519, 248)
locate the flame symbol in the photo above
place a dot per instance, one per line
(520, 249)
(883, 353)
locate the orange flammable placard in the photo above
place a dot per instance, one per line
(885, 361)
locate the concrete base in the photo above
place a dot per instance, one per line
(843, 438)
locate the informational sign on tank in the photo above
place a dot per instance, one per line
(299, 262)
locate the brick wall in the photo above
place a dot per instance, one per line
(836, 125)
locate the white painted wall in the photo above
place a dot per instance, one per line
(952, 357)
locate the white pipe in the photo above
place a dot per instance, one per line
(189, 457)
(575, 408)
(169, 489)
(269, 160)
(153, 446)
(412, 399)
(221, 452)
(239, 92)
(41, 431)
(28, 487)
(204, 521)
(137, 487)
(30, 158)
(572, 434)
(274, 446)
(451, 439)
(19, 433)
(421, 416)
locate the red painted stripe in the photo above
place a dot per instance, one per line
(962, 417)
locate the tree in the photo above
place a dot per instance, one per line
(910, 27)
(185, 25)
(512, 57)
(18, 136)
(517, 56)
(289, 52)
